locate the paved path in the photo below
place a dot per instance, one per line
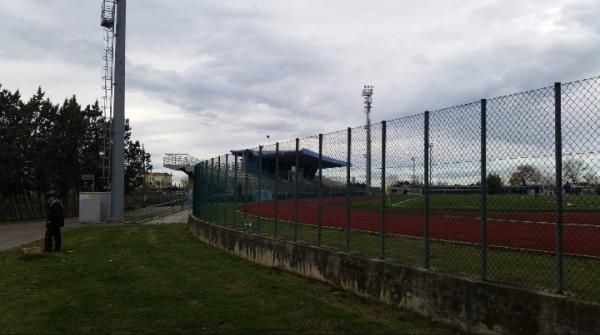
(14, 235)
(179, 217)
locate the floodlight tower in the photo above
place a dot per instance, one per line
(367, 94)
(114, 12)
(107, 21)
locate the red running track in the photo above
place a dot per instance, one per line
(525, 230)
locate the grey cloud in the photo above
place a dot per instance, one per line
(33, 33)
(240, 70)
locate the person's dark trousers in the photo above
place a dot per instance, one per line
(52, 233)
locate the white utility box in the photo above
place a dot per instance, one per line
(94, 207)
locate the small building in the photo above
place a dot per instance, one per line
(158, 180)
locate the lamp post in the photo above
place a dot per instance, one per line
(414, 176)
(367, 94)
(430, 162)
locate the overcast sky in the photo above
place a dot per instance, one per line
(207, 76)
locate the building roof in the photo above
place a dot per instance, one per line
(308, 158)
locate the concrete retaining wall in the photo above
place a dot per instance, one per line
(473, 306)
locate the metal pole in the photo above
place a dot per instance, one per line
(205, 190)
(117, 180)
(368, 181)
(236, 193)
(144, 173)
(195, 194)
(277, 176)
(414, 173)
(199, 189)
(245, 189)
(430, 163)
(426, 191)
(225, 188)
(484, 242)
(218, 180)
(348, 189)
(211, 187)
(259, 212)
(320, 193)
(296, 190)
(559, 181)
(382, 226)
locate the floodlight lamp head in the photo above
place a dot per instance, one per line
(367, 91)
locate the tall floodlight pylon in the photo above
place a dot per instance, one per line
(113, 19)
(107, 21)
(367, 94)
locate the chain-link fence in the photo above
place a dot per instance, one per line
(504, 189)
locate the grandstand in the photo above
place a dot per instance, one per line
(308, 162)
(252, 181)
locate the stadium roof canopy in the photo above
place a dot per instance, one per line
(308, 161)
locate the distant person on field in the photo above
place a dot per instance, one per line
(568, 188)
(56, 219)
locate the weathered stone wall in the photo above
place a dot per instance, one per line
(474, 306)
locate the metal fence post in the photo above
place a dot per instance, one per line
(217, 181)
(237, 190)
(202, 190)
(225, 188)
(277, 176)
(245, 162)
(206, 191)
(211, 187)
(319, 192)
(484, 242)
(195, 194)
(426, 180)
(259, 212)
(348, 189)
(382, 223)
(559, 190)
(296, 177)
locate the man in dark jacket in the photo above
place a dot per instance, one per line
(54, 222)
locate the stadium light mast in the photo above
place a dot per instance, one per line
(367, 94)
(114, 12)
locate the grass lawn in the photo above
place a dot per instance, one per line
(471, 202)
(518, 268)
(158, 279)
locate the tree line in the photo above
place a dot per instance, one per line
(575, 171)
(48, 146)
